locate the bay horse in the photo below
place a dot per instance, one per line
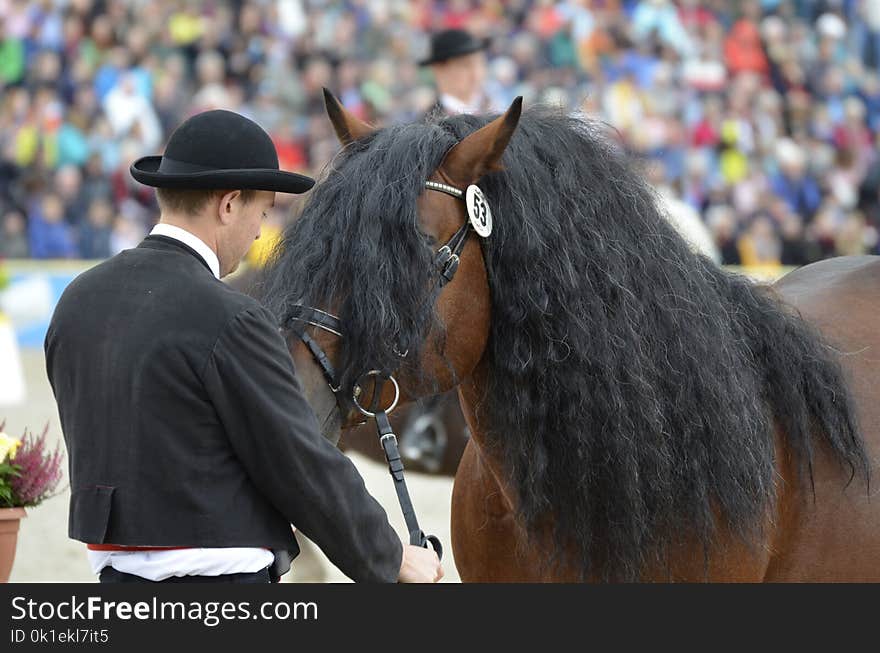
(637, 413)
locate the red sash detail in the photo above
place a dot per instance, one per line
(119, 547)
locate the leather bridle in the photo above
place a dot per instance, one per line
(446, 262)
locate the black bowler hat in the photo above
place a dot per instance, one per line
(217, 150)
(452, 43)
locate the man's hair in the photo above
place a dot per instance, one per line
(184, 200)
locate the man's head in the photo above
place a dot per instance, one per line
(458, 62)
(226, 220)
(461, 77)
(218, 179)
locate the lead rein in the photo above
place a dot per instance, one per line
(388, 441)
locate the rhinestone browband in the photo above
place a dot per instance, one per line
(443, 188)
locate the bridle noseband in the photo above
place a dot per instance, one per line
(446, 262)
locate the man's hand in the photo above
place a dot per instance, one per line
(419, 565)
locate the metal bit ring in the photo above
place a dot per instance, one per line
(393, 403)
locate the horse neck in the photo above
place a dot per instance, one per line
(471, 393)
(739, 560)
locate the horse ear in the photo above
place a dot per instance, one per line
(348, 127)
(480, 152)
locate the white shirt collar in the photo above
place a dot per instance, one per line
(192, 241)
(454, 106)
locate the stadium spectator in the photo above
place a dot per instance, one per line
(96, 232)
(13, 235)
(48, 234)
(793, 182)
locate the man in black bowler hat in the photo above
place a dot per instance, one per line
(458, 62)
(191, 447)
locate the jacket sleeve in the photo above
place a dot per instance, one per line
(251, 382)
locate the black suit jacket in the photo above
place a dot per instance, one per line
(185, 424)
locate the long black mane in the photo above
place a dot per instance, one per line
(634, 386)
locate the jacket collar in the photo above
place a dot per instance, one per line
(192, 241)
(165, 243)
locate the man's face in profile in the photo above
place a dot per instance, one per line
(243, 228)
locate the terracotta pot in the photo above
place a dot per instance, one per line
(9, 521)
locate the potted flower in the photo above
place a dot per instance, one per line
(29, 474)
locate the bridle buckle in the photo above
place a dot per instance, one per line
(450, 267)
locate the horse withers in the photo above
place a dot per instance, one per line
(636, 412)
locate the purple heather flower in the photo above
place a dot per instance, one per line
(39, 470)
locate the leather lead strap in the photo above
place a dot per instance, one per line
(388, 441)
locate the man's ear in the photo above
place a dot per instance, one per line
(227, 204)
(348, 127)
(480, 152)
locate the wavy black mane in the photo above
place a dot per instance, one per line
(634, 386)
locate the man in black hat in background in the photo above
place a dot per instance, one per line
(458, 62)
(191, 447)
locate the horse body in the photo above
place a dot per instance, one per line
(831, 533)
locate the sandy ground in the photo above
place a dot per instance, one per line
(45, 554)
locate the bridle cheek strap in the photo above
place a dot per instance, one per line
(323, 361)
(448, 256)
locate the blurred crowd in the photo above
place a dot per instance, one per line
(760, 115)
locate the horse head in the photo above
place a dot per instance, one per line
(453, 221)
